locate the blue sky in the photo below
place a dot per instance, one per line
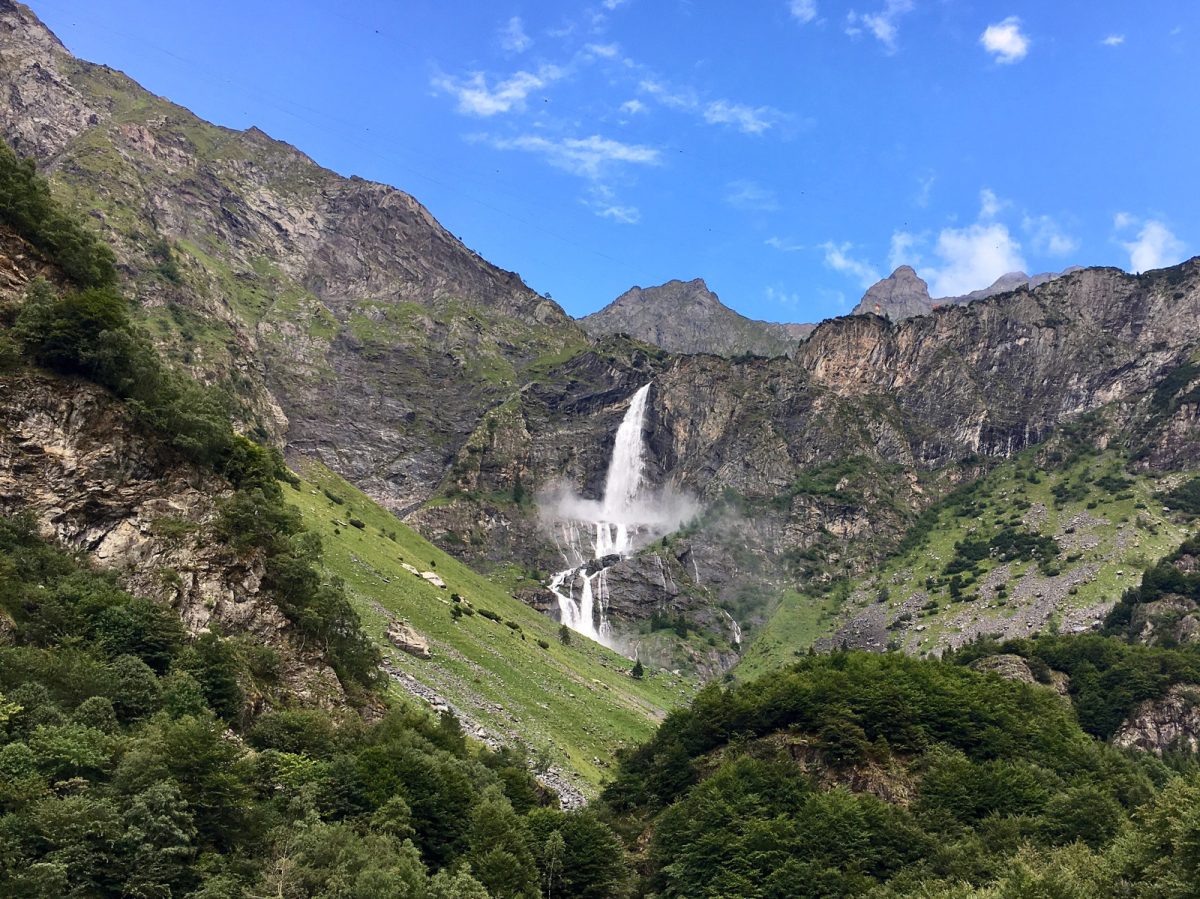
(790, 152)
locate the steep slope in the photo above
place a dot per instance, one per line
(508, 675)
(305, 292)
(687, 317)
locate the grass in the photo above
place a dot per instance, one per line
(572, 705)
(1107, 537)
(799, 622)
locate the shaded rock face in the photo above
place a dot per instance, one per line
(69, 457)
(687, 317)
(1013, 667)
(1161, 725)
(309, 293)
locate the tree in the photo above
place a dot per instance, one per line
(564, 635)
(638, 671)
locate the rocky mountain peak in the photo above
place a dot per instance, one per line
(688, 317)
(900, 295)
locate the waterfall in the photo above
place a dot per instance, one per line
(582, 587)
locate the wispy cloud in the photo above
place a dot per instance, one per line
(1113, 40)
(902, 250)
(750, 196)
(779, 296)
(925, 189)
(588, 157)
(838, 258)
(605, 51)
(1047, 236)
(513, 37)
(803, 11)
(1005, 41)
(784, 245)
(633, 107)
(990, 205)
(746, 119)
(1155, 246)
(476, 97)
(884, 25)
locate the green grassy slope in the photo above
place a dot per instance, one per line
(573, 704)
(1108, 525)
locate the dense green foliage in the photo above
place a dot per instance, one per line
(118, 776)
(781, 787)
(27, 207)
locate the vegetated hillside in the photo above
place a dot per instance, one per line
(1050, 539)
(118, 455)
(200, 713)
(303, 292)
(130, 768)
(499, 664)
(856, 774)
(687, 317)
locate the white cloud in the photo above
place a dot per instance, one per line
(1113, 40)
(838, 258)
(607, 51)
(611, 5)
(973, 257)
(1154, 247)
(784, 246)
(625, 215)
(1123, 220)
(884, 25)
(925, 185)
(780, 297)
(746, 119)
(588, 157)
(901, 250)
(803, 11)
(751, 196)
(475, 97)
(633, 107)
(513, 37)
(990, 205)
(1005, 41)
(675, 98)
(1048, 237)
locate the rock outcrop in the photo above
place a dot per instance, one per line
(687, 317)
(1162, 725)
(70, 457)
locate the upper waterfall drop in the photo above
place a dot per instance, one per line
(627, 464)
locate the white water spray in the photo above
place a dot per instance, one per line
(582, 587)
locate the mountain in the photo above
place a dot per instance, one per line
(687, 317)
(304, 292)
(903, 294)
(355, 332)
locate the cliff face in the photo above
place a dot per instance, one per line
(308, 293)
(687, 317)
(69, 456)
